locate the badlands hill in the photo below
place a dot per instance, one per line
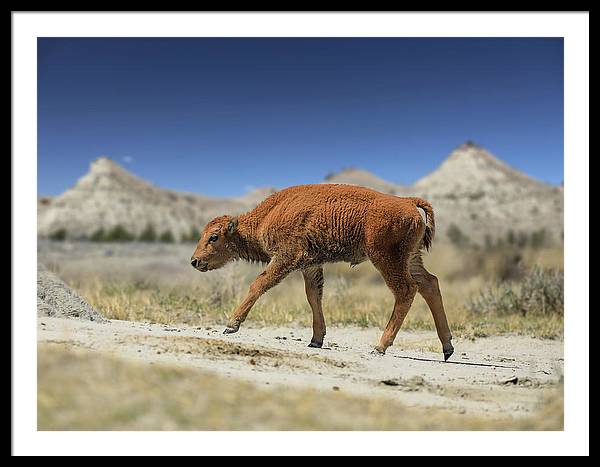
(108, 196)
(480, 194)
(471, 189)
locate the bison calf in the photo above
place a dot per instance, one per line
(303, 227)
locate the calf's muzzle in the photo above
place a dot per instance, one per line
(199, 265)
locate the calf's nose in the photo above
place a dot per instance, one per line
(200, 265)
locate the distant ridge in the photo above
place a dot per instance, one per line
(472, 189)
(480, 194)
(361, 177)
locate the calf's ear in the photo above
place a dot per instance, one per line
(232, 225)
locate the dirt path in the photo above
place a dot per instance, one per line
(498, 376)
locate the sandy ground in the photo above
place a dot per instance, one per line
(495, 376)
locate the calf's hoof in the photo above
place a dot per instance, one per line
(448, 353)
(378, 350)
(231, 330)
(316, 345)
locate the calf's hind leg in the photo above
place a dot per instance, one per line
(313, 284)
(430, 291)
(397, 277)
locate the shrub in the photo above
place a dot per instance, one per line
(118, 234)
(98, 235)
(541, 292)
(488, 242)
(508, 265)
(166, 237)
(539, 238)
(193, 236)
(476, 196)
(58, 235)
(522, 240)
(456, 236)
(511, 239)
(148, 234)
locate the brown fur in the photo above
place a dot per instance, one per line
(303, 227)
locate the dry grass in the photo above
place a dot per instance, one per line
(161, 290)
(83, 390)
(155, 283)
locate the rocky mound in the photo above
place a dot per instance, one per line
(55, 298)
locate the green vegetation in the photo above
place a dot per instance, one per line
(511, 238)
(166, 237)
(58, 235)
(116, 234)
(119, 234)
(456, 236)
(540, 292)
(192, 237)
(537, 240)
(98, 235)
(148, 234)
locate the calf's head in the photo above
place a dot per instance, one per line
(214, 247)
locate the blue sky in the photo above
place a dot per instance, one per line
(219, 116)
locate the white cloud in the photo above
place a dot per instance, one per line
(128, 159)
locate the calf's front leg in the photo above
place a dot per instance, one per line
(275, 272)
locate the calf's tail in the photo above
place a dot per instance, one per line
(429, 221)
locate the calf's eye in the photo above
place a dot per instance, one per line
(213, 238)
